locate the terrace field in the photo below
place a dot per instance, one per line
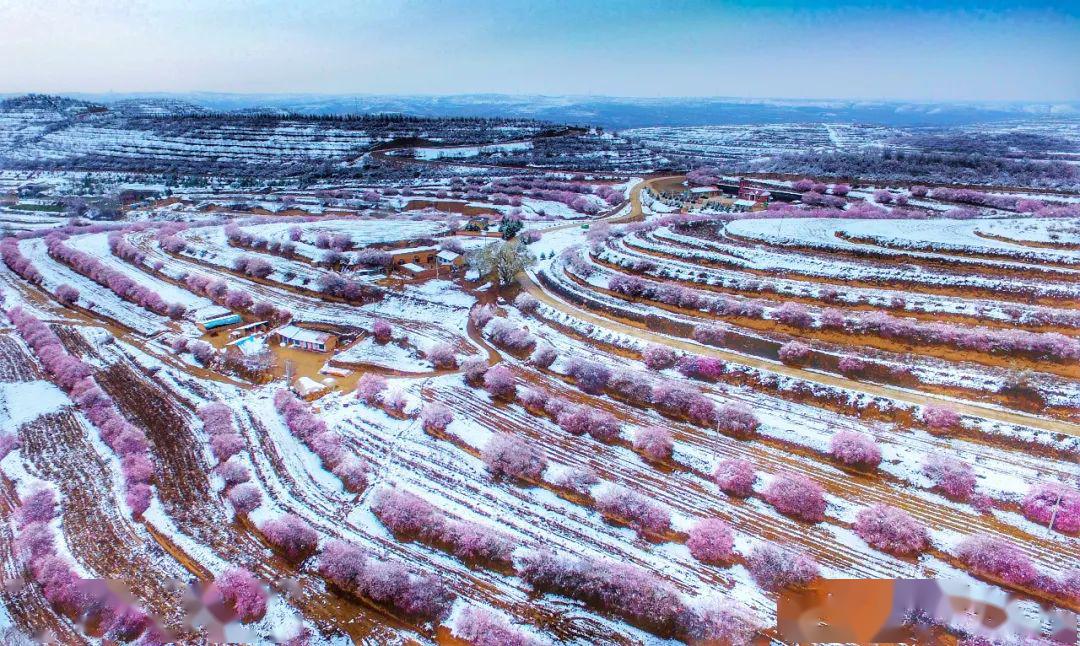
(630, 414)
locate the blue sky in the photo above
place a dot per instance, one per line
(933, 50)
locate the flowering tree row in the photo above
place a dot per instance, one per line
(1008, 342)
(75, 377)
(411, 517)
(17, 262)
(218, 291)
(482, 627)
(385, 581)
(116, 281)
(310, 429)
(638, 597)
(84, 601)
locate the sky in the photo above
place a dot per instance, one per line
(935, 50)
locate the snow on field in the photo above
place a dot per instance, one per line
(92, 296)
(465, 152)
(25, 401)
(949, 235)
(1041, 230)
(97, 245)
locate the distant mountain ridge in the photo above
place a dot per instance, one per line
(609, 112)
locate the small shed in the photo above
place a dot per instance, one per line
(451, 259)
(250, 328)
(307, 387)
(248, 345)
(294, 336)
(219, 322)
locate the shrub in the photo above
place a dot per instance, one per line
(511, 456)
(841, 189)
(796, 495)
(641, 513)
(226, 445)
(654, 442)
(238, 589)
(775, 568)
(245, 498)
(954, 478)
(708, 334)
(736, 419)
(382, 331)
(442, 356)
(395, 402)
(940, 419)
(996, 557)
(436, 416)
(794, 353)
(138, 498)
(481, 315)
(658, 357)
(233, 472)
(370, 388)
(832, 318)
(736, 477)
(699, 367)
(410, 516)
(711, 541)
(500, 383)
(506, 335)
(544, 355)
(1053, 501)
(590, 376)
(291, 536)
(482, 627)
(353, 473)
(882, 196)
(580, 420)
(526, 302)
(474, 369)
(67, 294)
(216, 418)
(794, 314)
(1068, 584)
(719, 620)
(579, 480)
(891, 530)
(855, 449)
(851, 366)
(39, 506)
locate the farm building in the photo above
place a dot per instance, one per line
(415, 255)
(753, 193)
(297, 337)
(447, 258)
(415, 271)
(218, 322)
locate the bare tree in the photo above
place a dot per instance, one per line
(502, 260)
